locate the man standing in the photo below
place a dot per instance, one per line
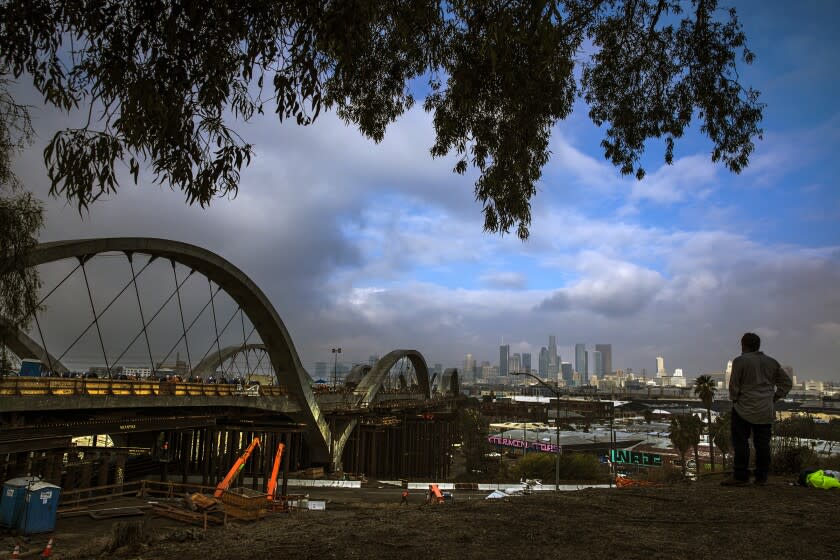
(756, 383)
(404, 497)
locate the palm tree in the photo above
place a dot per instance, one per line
(685, 434)
(704, 388)
(723, 435)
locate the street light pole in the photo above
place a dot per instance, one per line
(336, 352)
(557, 450)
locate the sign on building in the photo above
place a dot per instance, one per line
(627, 457)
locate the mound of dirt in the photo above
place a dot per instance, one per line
(697, 521)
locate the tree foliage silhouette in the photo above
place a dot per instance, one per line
(704, 388)
(162, 80)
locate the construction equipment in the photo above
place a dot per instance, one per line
(435, 493)
(271, 487)
(234, 470)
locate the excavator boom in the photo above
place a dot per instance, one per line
(234, 470)
(272, 482)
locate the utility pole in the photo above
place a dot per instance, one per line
(558, 450)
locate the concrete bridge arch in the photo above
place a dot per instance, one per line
(241, 289)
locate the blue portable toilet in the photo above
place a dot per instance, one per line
(12, 499)
(31, 368)
(40, 508)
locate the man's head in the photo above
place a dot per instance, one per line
(750, 342)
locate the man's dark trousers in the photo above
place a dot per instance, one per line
(741, 430)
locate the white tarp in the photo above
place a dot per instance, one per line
(495, 495)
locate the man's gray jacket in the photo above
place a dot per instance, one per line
(757, 382)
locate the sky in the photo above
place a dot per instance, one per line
(372, 247)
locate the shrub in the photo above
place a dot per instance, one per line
(574, 466)
(787, 457)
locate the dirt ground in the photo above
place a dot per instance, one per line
(696, 520)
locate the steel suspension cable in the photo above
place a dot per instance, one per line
(245, 343)
(34, 310)
(140, 307)
(107, 307)
(264, 354)
(162, 306)
(200, 313)
(215, 324)
(95, 317)
(181, 310)
(225, 371)
(43, 343)
(219, 334)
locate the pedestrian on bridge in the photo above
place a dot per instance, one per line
(404, 499)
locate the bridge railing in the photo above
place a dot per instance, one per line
(59, 386)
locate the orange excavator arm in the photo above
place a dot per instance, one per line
(272, 482)
(234, 470)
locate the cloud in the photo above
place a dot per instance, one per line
(610, 288)
(374, 247)
(511, 280)
(691, 176)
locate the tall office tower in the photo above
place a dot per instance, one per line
(606, 357)
(553, 361)
(543, 368)
(469, 367)
(515, 363)
(504, 356)
(580, 361)
(585, 376)
(568, 374)
(438, 369)
(372, 359)
(660, 367)
(526, 362)
(728, 374)
(320, 370)
(598, 358)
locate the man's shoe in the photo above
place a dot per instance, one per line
(735, 482)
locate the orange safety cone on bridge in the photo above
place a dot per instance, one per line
(16, 552)
(48, 550)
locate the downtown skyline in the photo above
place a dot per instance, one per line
(375, 247)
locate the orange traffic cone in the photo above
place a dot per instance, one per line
(47, 551)
(16, 552)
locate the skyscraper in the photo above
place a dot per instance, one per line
(553, 361)
(515, 363)
(580, 362)
(543, 367)
(568, 374)
(526, 362)
(606, 358)
(504, 356)
(598, 360)
(660, 366)
(469, 368)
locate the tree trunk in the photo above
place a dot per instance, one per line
(709, 433)
(696, 462)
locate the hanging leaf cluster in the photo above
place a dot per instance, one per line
(162, 81)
